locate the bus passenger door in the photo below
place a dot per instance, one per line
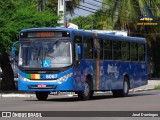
(78, 82)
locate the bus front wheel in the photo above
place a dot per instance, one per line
(87, 93)
(42, 96)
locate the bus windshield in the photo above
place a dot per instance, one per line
(45, 54)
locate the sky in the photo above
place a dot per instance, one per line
(87, 7)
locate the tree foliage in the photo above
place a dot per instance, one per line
(125, 14)
(52, 4)
(21, 14)
(94, 21)
(17, 15)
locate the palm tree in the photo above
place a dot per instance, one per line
(125, 14)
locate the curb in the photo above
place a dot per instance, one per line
(17, 95)
(139, 90)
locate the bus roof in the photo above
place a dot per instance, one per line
(89, 33)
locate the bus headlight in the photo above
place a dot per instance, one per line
(23, 78)
(64, 78)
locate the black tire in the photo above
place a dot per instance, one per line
(116, 93)
(87, 93)
(42, 96)
(124, 92)
(92, 93)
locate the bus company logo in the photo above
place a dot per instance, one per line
(146, 18)
(6, 114)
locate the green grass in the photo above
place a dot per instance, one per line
(157, 87)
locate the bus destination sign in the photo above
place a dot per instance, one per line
(44, 34)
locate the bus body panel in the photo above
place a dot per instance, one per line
(111, 74)
(106, 75)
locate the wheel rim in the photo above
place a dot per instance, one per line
(125, 87)
(86, 90)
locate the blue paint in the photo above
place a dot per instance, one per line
(66, 85)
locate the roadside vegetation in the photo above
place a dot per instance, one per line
(157, 87)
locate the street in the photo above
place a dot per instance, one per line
(137, 101)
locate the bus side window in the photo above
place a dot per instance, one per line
(141, 52)
(107, 47)
(78, 47)
(126, 51)
(88, 48)
(101, 50)
(117, 53)
(98, 45)
(134, 51)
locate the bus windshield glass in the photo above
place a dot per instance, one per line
(48, 54)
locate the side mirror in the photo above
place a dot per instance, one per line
(13, 50)
(78, 52)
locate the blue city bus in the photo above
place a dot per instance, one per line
(69, 60)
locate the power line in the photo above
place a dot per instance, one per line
(86, 10)
(77, 14)
(98, 1)
(88, 7)
(110, 4)
(122, 17)
(91, 4)
(119, 2)
(125, 18)
(83, 8)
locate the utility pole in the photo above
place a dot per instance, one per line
(44, 5)
(62, 11)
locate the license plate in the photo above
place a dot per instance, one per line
(41, 85)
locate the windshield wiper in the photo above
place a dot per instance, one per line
(51, 48)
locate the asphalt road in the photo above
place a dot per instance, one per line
(139, 101)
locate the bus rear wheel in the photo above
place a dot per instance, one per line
(124, 92)
(42, 96)
(87, 93)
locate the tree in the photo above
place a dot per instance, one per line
(70, 5)
(125, 14)
(93, 21)
(17, 15)
(41, 5)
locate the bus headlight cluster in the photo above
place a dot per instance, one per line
(22, 78)
(64, 78)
